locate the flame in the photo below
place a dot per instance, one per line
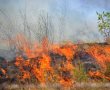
(98, 74)
(39, 62)
(38, 65)
(3, 71)
(101, 54)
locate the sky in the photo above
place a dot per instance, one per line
(79, 16)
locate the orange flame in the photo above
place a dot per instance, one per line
(38, 64)
(101, 54)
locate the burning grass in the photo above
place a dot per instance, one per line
(62, 64)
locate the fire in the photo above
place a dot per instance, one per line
(98, 74)
(101, 54)
(3, 71)
(41, 60)
(65, 78)
(36, 67)
(39, 63)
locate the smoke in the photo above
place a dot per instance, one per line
(104, 4)
(77, 17)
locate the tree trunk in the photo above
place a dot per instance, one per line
(108, 40)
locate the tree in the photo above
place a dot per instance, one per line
(104, 24)
(45, 28)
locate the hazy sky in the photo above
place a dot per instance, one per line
(80, 15)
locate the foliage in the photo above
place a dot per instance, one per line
(104, 23)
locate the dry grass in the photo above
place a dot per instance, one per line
(78, 86)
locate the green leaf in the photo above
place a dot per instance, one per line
(103, 21)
